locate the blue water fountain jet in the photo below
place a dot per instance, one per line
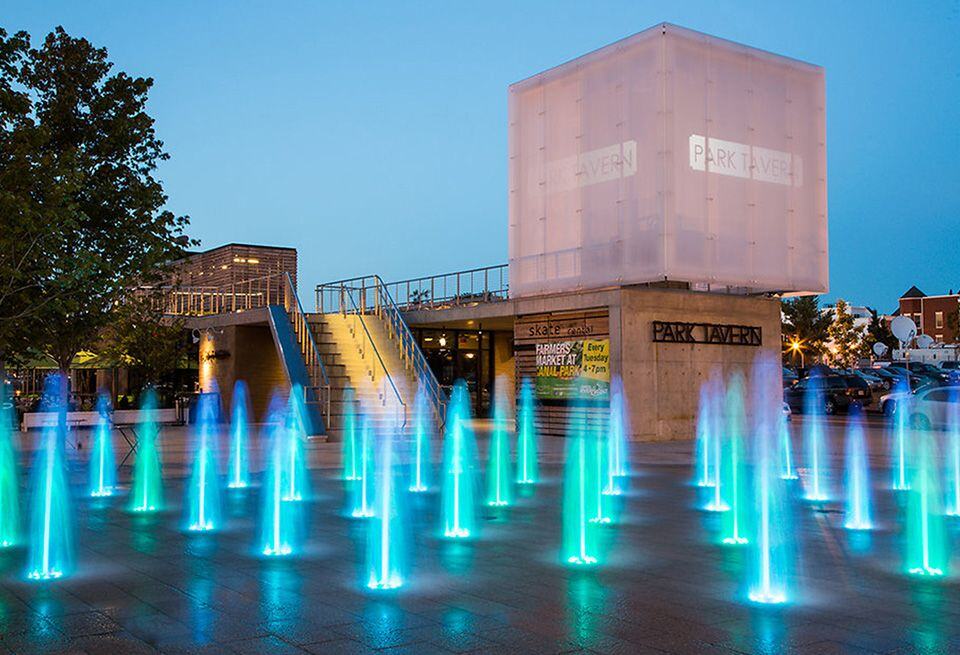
(771, 546)
(953, 454)
(707, 433)
(459, 493)
(901, 426)
(858, 515)
(296, 487)
(9, 478)
(787, 470)
(499, 479)
(527, 469)
(51, 526)
(617, 454)
(351, 454)
(598, 441)
(203, 491)
(733, 479)
(816, 441)
(423, 423)
(239, 470)
(280, 520)
(387, 561)
(146, 491)
(927, 551)
(580, 541)
(361, 491)
(103, 477)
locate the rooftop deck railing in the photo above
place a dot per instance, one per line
(235, 297)
(469, 287)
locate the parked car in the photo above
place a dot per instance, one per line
(933, 406)
(950, 365)
(789, 377)
(836, 392)
(924, 369)
(890, 402)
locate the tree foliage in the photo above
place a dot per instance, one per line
(83, 212)
(846, 338)
(141, 338)
(804, 322)
(878, 331)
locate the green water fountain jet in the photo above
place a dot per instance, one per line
(422, 436)
(733, 480)
(51, 526)
(953, 453)
(351, 457)
(103, 477)
(927, 553)
(459, 510)
(527, 470)
(239, 476)
(203, 491)
(616, 440)
(580, 542)
(499, 479)
(598, 441)
(9, 479)
(386, 542)
(858, 515)
(146, 491)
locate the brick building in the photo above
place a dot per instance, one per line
(934, 315)
(235, 263)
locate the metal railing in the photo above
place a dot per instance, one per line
(469, 287)
(235, 297)
(319, 391)
(369, 295)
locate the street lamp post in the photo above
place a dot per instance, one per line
(796, 347)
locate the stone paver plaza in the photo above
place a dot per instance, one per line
(143, 585)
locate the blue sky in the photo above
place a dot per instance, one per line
(372, 136)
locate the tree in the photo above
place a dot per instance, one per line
(804, 323)
(78, 154)
(846, 338)
(878, 331)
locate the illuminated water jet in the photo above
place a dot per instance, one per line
(527, 469)
(51, 527)
(953, 454)
(616, 440)
(146, 492)
(499, 480)
(9, 479)
(858, 477)
(787, 469)
(360, 490)
(422, 438)
(351, 468)
(459, 468)
(901, 426)
(926, 542)
(203, 491)
(707, 433)
(580, 543)
(239, 477)
(386, 548)
(279, 526)
(733, 481)
(297, 482)
(816, 446)
(103, 477)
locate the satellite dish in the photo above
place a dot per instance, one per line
(903, 328)
(925, 341)
(880, 349)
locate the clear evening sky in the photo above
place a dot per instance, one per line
(373, 136)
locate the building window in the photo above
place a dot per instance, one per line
(938, 338)
(916, 319)
(939, 319)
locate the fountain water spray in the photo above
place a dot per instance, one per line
(616, 440)
(361, 501)
(51, 528)
(927, 551)
(103, 477)
(816, 446)
(203, 492)
(9, 479)
(422, 437)
(580, 544)
(733, 480)
(459, 464)
(386, 549)
(858, 477)
(351, 456)
(239, 475)
(527, 470)
(901, 426)
(787, 469)
(707, 432)
(771, 545)
(297, 482)
(953, 453)
(499, 480)
(280, 521)
(146, 492)
(601, 490)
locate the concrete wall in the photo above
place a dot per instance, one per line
(662, 380)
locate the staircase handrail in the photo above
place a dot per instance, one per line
(308, 346)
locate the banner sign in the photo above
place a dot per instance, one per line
(573, 369)
(706, 333)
